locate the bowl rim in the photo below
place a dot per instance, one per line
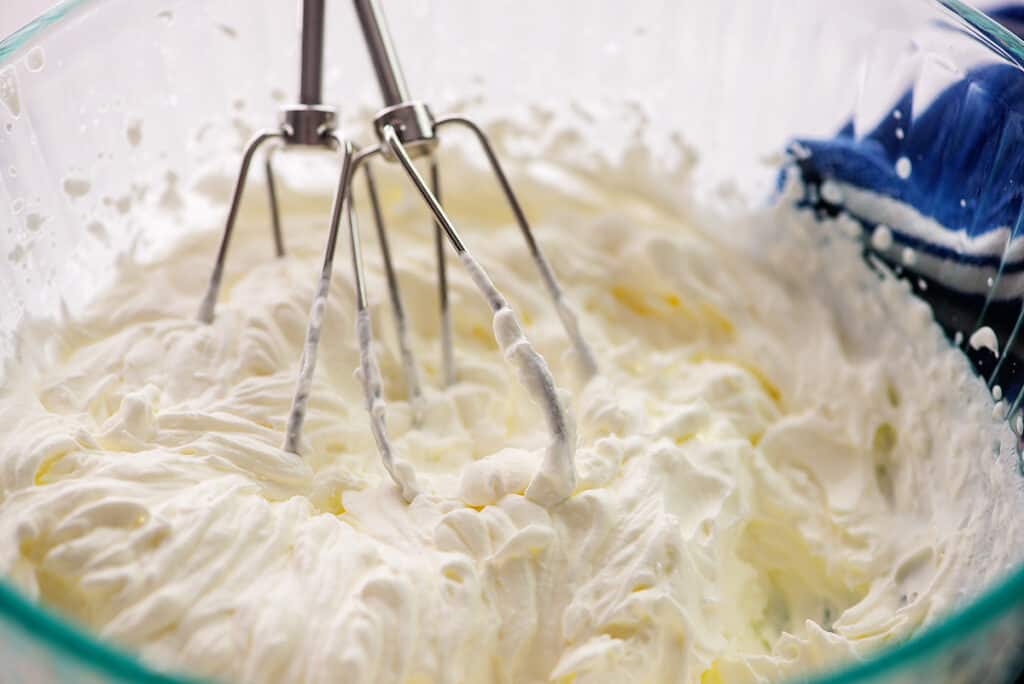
(986, 609)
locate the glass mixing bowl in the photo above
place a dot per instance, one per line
(130, 95)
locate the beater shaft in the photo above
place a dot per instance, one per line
(312, 53)
(382, 53)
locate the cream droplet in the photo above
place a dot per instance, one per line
(76, 187)
(134, 133)
(881, 238)
(831, 193)
(35, 60)
(984, 338)
(903, 168)
(9, 91)
(34, 221)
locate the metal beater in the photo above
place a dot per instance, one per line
(309, 123)
(405, 129)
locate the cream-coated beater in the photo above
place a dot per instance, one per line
(405, 129)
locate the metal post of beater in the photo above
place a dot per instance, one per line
(406, 128)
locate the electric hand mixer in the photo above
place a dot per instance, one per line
(405, 129)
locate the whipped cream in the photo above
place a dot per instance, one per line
(781, 465)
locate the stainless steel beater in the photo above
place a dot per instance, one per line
(310, 123)
(405, 128)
